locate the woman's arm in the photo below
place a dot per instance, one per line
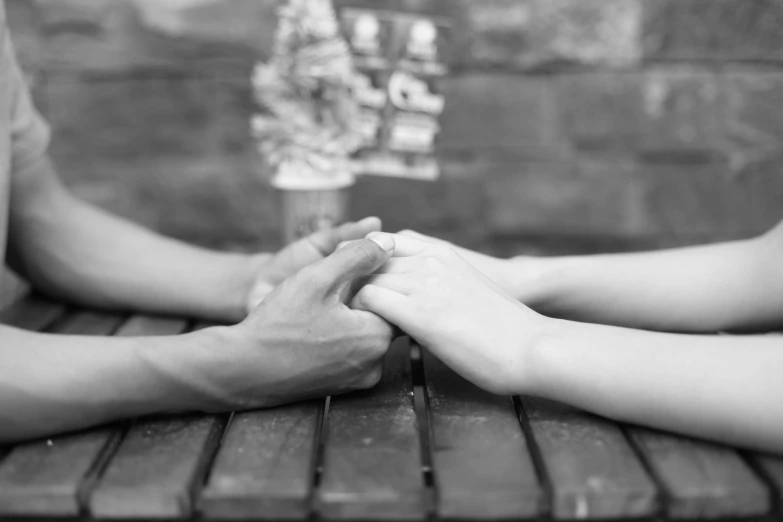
(727, 286)
(734, 286)
(722, 388)
(727, 389)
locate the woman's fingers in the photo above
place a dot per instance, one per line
(390, 305)
(400, 265)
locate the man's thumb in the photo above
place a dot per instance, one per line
(357, 259)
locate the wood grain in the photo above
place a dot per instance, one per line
(48, 477)
(772, 466)
(157, 467)
(32, 312)
(481, 462)
(372, 456)
(265, 468)
(593, 470)
(702, 480)
(161, 459)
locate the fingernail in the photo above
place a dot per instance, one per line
(385, 241)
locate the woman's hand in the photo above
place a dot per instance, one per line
(273, 269)
(498, 270)
(430, 292)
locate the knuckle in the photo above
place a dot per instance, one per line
(315, 277)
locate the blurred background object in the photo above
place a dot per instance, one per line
(569, 124)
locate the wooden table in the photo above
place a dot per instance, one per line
(423, 443)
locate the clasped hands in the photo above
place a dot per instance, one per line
(325, 329)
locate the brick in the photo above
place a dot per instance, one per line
(572, 197)
(125, 36)
(22, 18)
(133, 117)
(713, 30)
(683, 111)
(440, 207)
(754, 119)
(706, 201)
(218, 201)
(601, 111)
(493, 110)
(235, 106)
(531, 34)
(764, 181)
(657, 113)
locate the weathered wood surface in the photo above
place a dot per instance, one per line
(32, 312)
(701, 479)
(161, 460)
(772, 467)
(481, 462)
(265, 468)
(372, 457)
(592, 469)
(48, 477)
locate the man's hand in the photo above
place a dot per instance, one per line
(431, 293)
(272, 270)
(303, 340)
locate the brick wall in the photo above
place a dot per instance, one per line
(604, 121)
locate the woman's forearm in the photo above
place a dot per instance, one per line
(729, 286)
(74, 251)
(722, 388)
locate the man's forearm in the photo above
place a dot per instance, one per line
(723, 388)
(55, 383)
(729, 286)
(77, 252)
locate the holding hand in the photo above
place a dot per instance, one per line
(429, 291)
(303, 340)
(273, 269)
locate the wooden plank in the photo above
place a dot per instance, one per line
(701, 479)
(48, 477)
(32, 312)
(157, 467)
(772, 466)
(481, 463)
(372, 457)
(593, 470)
(265, 468)
(161, 459)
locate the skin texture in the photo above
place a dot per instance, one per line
(723, 388)
(733, 286)
(79, 253)
(301, 341)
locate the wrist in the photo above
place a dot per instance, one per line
(549, 337)
(532, 280)
(258, 283)
(192, 371)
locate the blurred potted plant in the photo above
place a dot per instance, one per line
(306, 126)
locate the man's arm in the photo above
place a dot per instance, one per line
(55, 383)
(74, 251)
(301, 342)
